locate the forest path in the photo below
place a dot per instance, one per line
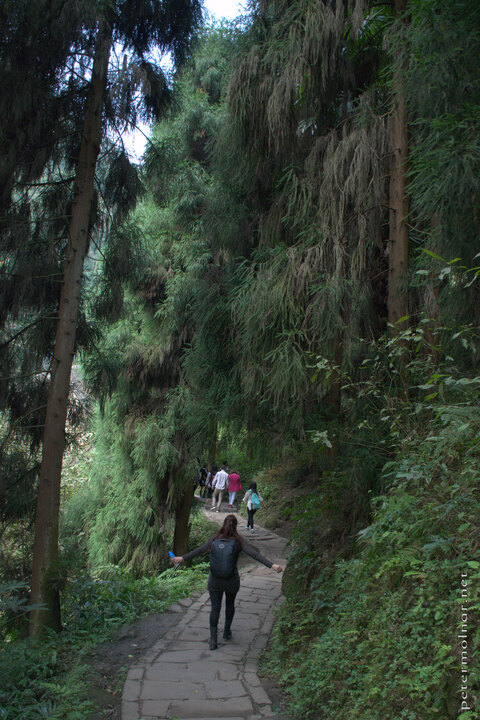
(181, 678)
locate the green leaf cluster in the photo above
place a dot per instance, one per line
(48, 677)
(372, 630)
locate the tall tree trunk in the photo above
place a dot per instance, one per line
(182, 521)
(212, 448)
(431, 306)
(334, 396)
(45, 551)
(399, 202)
(184, 502)
(432, 313)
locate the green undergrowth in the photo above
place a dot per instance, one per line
(47, 677)
(283, 489)
(374, 634)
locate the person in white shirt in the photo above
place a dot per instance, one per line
(220, 483)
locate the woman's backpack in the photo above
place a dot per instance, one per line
(223, 557)
(255, 501)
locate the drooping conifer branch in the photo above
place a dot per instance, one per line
(45, 585)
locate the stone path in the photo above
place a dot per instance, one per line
(181, 678)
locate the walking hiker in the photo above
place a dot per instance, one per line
(254, 500)
(234, 486)
(220, 482)
(210, 476)
(202, 481)
(224, 548)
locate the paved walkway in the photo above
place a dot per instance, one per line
(181, 678)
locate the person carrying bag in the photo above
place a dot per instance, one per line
(253, 500)
(224, 548)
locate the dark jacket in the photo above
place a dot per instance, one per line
(232, 584)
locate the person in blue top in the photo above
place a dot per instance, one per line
(230, 585)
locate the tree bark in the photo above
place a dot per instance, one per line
(334, 396)
(399, 201)
(212, 447)
(182, 521)
(431, 306)
(184, 501)
(432, 313)
(45, 589)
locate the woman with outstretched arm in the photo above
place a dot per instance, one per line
(224, 548)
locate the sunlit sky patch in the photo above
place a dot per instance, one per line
(225, 8)
(136, 141)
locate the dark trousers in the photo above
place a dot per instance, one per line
(216, 601)
(251, 513)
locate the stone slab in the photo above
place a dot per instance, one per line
(130, 711)
(131, 690)
(200, 645)
(193, 633)
(218, 689)
(252, 680)
(155, 709)
(217, 708)
(259, 696)
(135, 673)
(185, 602)
(185, 656)
(184, 690)
(166, 672)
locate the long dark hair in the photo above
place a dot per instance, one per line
(253, 487)
(229, 530)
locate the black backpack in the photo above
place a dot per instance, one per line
(223, 557)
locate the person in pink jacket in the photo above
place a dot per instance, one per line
(234, 486)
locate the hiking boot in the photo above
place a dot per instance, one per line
(213, 638)
(227, 633)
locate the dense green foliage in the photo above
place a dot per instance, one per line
(387, 613)
(45, 678)
(240, 311)
(155, 413)
(47, 52)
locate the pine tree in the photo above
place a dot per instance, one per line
(168, 307)
(38, 132)
(399, 204)
(36, 42)
(138, 26)
(45, 548)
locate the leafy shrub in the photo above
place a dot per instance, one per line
(39, 679)
(14, 608)
(114, 596)
(28, 669)
(375, 635)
